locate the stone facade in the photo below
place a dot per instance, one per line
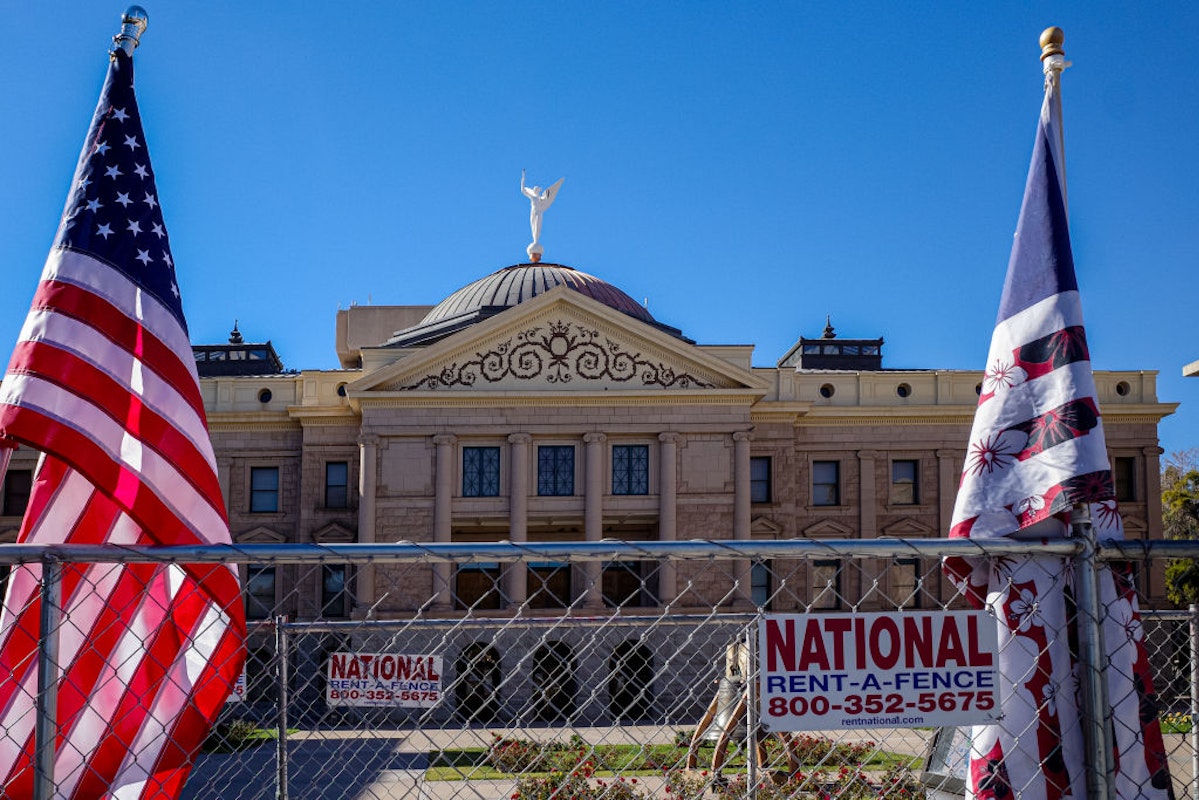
(719, 449)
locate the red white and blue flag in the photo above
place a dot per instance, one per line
(1036, 450)
(103, 383)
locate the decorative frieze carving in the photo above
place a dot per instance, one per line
(559, 353)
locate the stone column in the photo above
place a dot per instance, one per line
(872, 569)
(1150, 490)
(741, 513)
(443, 508)
(223, 474)
(593, 517)
(368, 484)
(517, 575)
(668, 494)
(867, 495)
(947, 488)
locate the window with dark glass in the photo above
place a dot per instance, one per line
(480, 472)
(906, 583)
(630, 583)
(337, 484)
(335, 590)
(826, 483)
(260, 592)
(759, 479)
(264, 489)
(478, 586)
(555, 470)
(1124, 473)
(904, 483)
(630, 469)
(548, 584)
(17, 485)
(826, 585)
(759, 584)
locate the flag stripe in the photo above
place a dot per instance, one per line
(131, 334)
(174, 511)
(54, 335)
(123, 407)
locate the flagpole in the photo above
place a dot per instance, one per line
(50, 618)
(1092, 655)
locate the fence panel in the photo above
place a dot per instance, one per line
(551, 670)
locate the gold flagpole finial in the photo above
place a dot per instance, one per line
(133, 25)
(1051, 42)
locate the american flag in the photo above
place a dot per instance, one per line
(1036, 450)
(103, 382)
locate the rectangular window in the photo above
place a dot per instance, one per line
(1124, 473)
(337, 484)
(335, 590)
(905, 483)
(17, 485)
(477, 586)
(630, 469)
(826, 585)
(556, 470)
(826, 483)
(264, 489)
(907, 586)
(260, 592)
(480, 472)
(549, 584)
(759, 584)
(759, 479)
(630, 583)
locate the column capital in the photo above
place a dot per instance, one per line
(742, 436)
(948, 453)
(445, 439)
(1152, 451)
(520, 438)
(670, 437)
(369, 440)
(868, 455)
(594, 438)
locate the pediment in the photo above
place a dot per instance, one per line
(334, 534)
(764, 528)
(1135, 525)
(260, 535)
(828, 529)
(559, 341)
(907, 528)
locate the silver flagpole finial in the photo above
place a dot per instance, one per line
(133, 25)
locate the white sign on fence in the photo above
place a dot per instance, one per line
(915, 668)
(383, 679)
(238, 693)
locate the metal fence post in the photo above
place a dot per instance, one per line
(751, 710)
(46, 726)
(1092, 654)
(1194, 631)
(281, 671)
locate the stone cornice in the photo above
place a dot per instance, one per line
(706, 397)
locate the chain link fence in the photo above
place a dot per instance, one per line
(591, 685)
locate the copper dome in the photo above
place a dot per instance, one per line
(516, 284)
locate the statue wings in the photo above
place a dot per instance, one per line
(552, 192)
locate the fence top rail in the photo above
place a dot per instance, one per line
(608, 550)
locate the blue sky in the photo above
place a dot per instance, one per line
(748, 168)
